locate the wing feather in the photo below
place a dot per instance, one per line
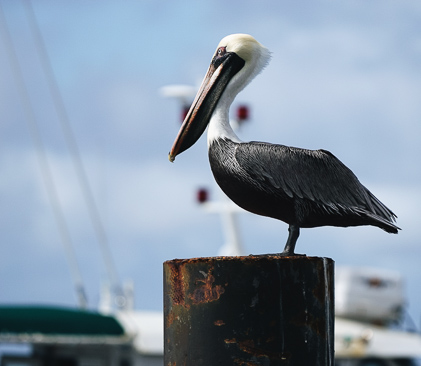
(316, 175)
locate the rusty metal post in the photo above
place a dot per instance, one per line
(249, 311)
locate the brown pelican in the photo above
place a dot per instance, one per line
(304, 188)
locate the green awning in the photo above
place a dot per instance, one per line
(56, 321)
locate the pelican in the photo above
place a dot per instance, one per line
(304, 188)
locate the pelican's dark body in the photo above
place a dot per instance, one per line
(304, 188)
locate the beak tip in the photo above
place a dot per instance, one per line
(171, 158)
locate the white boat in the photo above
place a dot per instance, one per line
(368, 302)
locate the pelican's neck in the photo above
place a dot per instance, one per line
(255, 58)
(219, 125)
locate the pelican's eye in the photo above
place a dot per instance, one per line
(221, 51)
(220, 55)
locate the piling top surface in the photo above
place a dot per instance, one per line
(246, 258)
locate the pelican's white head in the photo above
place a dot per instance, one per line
(237, 60)
(254, 54)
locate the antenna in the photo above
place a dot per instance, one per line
(227, 209)
(228, 212)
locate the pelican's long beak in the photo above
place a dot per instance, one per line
(221, 71)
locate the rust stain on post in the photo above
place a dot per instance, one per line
(170, 319)
(207, 292)
(248, 346)
(229, 341)
(245, 363)
(178, 283)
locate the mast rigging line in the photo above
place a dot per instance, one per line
(74, 151)
(43, 163)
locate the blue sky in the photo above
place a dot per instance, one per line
(344, 76)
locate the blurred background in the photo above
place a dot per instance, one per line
(344, 76)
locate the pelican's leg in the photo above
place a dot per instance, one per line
(294, 233)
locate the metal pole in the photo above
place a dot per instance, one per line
(251, 310)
